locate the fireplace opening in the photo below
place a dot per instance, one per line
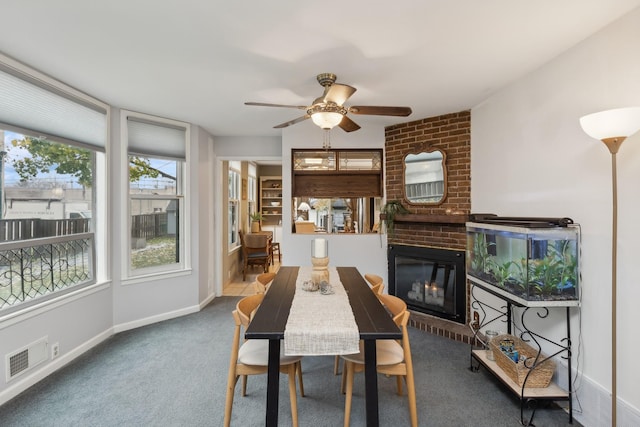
(429, 280)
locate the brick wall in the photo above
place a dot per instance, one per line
(450, 133)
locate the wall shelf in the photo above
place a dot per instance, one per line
(430, 219)
(271, 192)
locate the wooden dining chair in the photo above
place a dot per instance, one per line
(251, 358)
(393, 358)
(377, 286)
(262, 282)
(376, 282)
(255, 251)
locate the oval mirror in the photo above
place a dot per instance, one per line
(425, 177)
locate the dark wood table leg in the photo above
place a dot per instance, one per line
(371, 383)
(273, 383)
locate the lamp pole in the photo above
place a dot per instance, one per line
(612, 127)
(613, 144)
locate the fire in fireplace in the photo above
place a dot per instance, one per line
(429, 280)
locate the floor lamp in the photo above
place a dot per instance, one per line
(612, 127)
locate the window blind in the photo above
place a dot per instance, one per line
(31, 106)
(156, 139)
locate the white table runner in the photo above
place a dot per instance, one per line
(320, 324)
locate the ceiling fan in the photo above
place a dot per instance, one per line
(328, 110)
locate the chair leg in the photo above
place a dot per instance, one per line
(411, 394)
(399, 382)
(244, 385)
(299, 370)
(292, 394)
(348, 373)
(336, 366)
(228, 406)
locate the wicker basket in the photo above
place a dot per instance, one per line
(540, 377)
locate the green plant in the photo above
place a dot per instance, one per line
(481, 258)
(256, 216)
(501, 272)
(390, 209)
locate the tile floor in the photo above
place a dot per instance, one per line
(239, 288)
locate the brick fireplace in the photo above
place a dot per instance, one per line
(439, 226)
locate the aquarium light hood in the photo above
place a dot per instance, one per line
(527, 222)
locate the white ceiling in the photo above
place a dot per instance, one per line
(199, 61)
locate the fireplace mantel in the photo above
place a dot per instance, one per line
(430, 219)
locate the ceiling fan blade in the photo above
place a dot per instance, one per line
(380, 111)
(292, 122)
(348, 125)
(263, 104)
(338, 93)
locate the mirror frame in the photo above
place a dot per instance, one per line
(418, 149)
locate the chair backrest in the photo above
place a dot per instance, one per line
(305, 227)
(256, 241)
(373, 279)
(395, 305)
(259, 287)
(262, 282)
(376, 282)
(246, 307)
(265, 278)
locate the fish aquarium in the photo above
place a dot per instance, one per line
(532, 261)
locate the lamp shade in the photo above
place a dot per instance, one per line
(304, 206)
(620, 122)
(326, 119)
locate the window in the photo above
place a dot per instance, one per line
(252, 190)
(52, 142)
(337, 173)
(337, 191)
(156, 164)
(234, 204)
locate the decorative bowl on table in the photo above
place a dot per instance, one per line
(310, 286)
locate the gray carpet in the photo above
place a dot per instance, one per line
(174, 374)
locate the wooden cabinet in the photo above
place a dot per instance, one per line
(271, 199)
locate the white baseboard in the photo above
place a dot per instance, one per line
(29, 380)
(593, 404)
(207, 300)
(155, 319)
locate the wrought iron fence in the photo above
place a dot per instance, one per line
(33, 269)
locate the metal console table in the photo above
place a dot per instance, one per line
(489, 314)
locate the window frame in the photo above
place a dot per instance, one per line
(234, 168)
(132, 275)
(100, 147)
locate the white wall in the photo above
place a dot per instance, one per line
(79, 321)
(529, 157)
(367, 252)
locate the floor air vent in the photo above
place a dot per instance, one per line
(26, 358)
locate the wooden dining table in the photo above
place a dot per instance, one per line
(372, 319)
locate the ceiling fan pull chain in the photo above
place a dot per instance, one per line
(326, 139)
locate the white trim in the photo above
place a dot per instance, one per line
(154, 276)
(183, 194)
(30, 380)
(52, 304)
(155, 319)
(206, 301)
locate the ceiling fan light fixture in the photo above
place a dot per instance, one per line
(327, 115)
(326, 120)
